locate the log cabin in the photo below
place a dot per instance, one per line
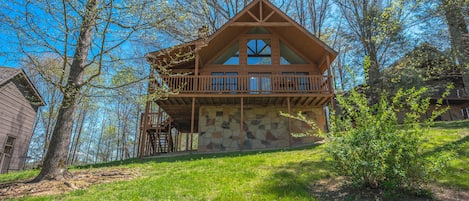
(426, 66)
(230, 86)
(19, 102)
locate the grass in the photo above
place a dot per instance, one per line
(269, 175)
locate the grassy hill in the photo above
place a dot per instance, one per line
(268, 175)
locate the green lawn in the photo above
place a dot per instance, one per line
(271, 175)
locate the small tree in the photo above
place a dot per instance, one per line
(369, 146)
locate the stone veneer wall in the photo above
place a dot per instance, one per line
(264, 127)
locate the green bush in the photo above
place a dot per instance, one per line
(371, 148)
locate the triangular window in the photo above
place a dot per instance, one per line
(230, 56)
(288, 56)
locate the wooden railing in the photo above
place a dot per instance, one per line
(246, 84)
(453, 94)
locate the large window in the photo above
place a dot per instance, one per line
(260, 83)
(288, 56)
(225, 81)
(230, 56)
(259, 52)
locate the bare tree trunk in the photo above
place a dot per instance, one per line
(77, 140)
(459, 36)
(100, 138)
(55, 163)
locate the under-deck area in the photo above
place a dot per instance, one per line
(172, 122)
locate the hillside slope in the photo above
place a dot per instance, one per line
(301, 174)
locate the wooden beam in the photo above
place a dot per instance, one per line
(192, 123)
(329, 74)
(268, 16)
(241, 122)
(289, 123)
(261, 24)
(253, 16)
(260, 11)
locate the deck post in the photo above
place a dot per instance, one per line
(289, 123)
(241, 123)
(144, 134)
(196, 72)
(329, 74)
(192, 123)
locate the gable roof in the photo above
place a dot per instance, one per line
(7, 74)
(425, 66)
(261, 13)
(275, 18)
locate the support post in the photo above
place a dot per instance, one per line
(192, 123)
(144, 134)
(329, 74)
(195, 83)
(241, 123)
(290, 140)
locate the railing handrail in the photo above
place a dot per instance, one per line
(249, 84)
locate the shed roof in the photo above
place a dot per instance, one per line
(7, 74)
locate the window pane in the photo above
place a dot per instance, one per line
(288, 56)
(259, 52)
(230, 56)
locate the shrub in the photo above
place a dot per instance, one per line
(370, 147)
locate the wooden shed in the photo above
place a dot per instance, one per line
(19, 102)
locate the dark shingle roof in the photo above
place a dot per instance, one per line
(7, 74)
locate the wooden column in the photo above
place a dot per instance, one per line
(196, 71)
(241, 123)
(144, 134)
(192, 123)
(289, 123)
(329, 74)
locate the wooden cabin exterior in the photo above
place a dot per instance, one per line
(232, 84)
(426, 66)
(19, 102)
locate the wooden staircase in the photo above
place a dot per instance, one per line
(157, 133)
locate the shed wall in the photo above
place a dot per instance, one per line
(17, 118)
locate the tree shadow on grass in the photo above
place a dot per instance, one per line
(312, 180)
(451, 124)
(295, 180)
(191, 156)
(451, 146)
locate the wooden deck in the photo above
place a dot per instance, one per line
(279, 90)
(245, 85)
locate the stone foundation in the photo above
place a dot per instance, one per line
(263, 128)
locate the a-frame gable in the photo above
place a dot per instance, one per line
(262, 13)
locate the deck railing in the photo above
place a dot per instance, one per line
(453, 93)
(246, 84)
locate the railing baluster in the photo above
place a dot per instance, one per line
(231, 84)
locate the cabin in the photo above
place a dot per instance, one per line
(225, 90)
(19, 102)
(426, 66)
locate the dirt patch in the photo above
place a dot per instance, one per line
(81, 179)
(336, 189)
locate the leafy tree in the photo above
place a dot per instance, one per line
(85, 36)
(376, 27)
(455, 12)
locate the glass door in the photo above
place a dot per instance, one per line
(260, 83)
